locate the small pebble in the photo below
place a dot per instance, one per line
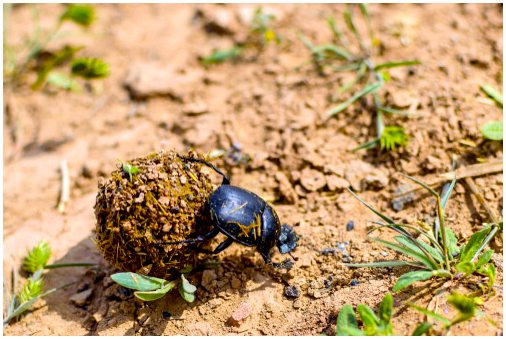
(292, 292)
(235, 283)
(81, 298)
(241, 312)
(350, 225)
(297, 303)
(354, 282)
(166, 315)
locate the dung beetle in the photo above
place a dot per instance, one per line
(246, 218)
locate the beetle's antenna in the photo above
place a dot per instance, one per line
(226, 180)
(294, 259)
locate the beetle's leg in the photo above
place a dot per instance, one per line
(287, 264)
(209, 235)
(223, 245)
(226, 180)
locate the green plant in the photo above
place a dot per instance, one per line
(35, 263)
(380, 324)
(45, 62)
(492, 93)
(260, 35)
(130, 169)
(466, 307)
(338, 57)
(435, 252)
(151, 288)
(492, 130)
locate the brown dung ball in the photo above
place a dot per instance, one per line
(159, 198)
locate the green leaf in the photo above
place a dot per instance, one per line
(80, 14)
(346, 320)
(488, 271)
(385, 309)
(409, 278)
(434, 253)
(472, 247)
(391, 110)
(367, 145)
(408, 252)
(451, 241)
(37, 257)
(382, 264)
(187, 287)
(466, 267)
(130, 169)
(331, 50)
(397, 64)
(188, 297)
(62, 81)
(422, 329)
(90, 68)
(156, 294)
(484, 258)
(369, 319)
(429, 313)
(392, 137)
(447, 191)
(222, 55)
(138, 282)
(466, 307)
(366, 90)
(493, 93)
(492, 130)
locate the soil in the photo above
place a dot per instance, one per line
(265, 111)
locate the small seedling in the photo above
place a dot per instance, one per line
(35, 263)
(151, 288)
(466, 307)
(435, 252)
(338, 57)
(260, 35)
(130, 169)
(45, 62)
(380, 324)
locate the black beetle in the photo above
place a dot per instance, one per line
(246, 218)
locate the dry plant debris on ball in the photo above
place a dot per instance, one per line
(159, 198)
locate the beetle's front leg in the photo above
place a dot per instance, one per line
(286, 264)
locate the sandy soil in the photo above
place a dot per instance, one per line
(271, 105)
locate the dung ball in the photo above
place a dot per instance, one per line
(147, 201)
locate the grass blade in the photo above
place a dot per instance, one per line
(429, 313)
(385, 264)
(393, 64)
(409, 278)
(391, 110)
(492, 93)
(367, 145)
(366, 90)
(382, 216)
(421, 184)
(332, 50)
(408, 252)
(447, 191)
(422, 329)
(424, 250)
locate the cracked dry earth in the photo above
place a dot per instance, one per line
(265, 111)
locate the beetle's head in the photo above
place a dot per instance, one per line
(287, 240)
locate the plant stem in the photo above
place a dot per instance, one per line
(440, 214)
(71, 264)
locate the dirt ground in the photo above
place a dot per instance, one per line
(267, 107)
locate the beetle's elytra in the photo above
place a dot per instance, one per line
(246, 218)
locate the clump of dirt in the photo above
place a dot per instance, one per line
(148, 201)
